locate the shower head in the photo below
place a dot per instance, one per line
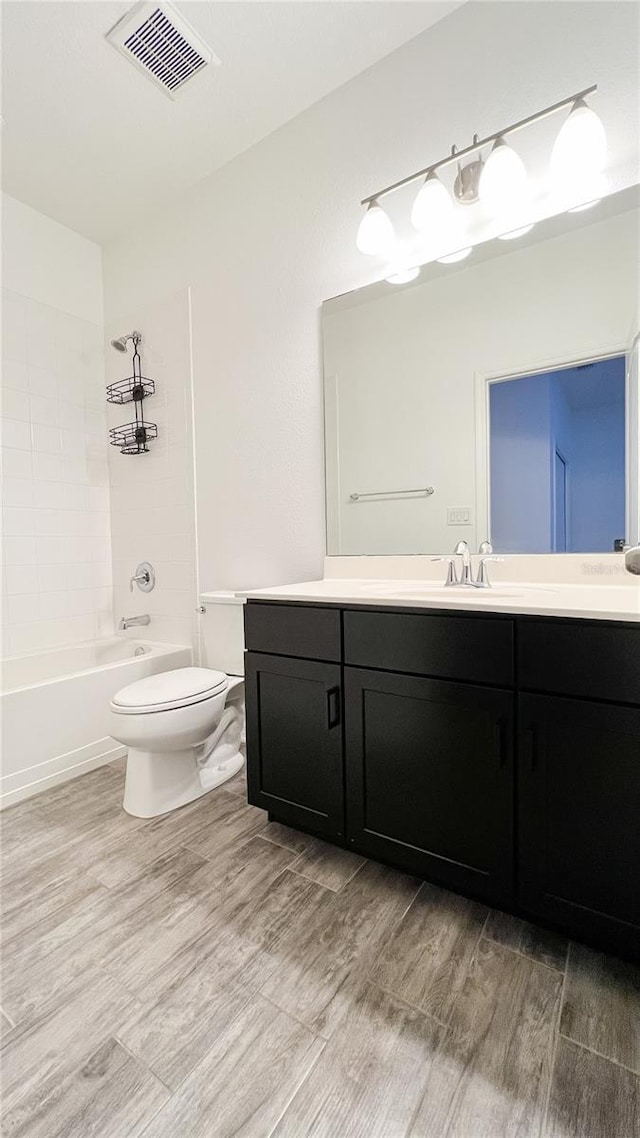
(121, 343)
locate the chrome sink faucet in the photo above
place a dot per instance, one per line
(632, 559)
(466, 579)
(131, 621)
(462, 550)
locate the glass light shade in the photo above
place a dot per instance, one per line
(513, 233)
(577, 190)
(451, 258)
(503, 181)
(585, 205)
(580, 150)
(433, 207)
(376, 233)
(403, 276)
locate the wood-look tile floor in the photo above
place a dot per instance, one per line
(210, 974)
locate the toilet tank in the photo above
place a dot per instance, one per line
(222, 632)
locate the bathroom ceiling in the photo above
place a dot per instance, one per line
(88, 140)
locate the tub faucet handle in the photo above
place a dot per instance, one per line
(144, 577)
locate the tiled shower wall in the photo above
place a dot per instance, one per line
(152, 495)
(56, 576)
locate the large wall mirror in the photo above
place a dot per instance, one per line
(496, 398)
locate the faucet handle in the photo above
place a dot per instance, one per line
(485, 547)
(144, 577)
(482, 580)
(632, 559)
(451, 578)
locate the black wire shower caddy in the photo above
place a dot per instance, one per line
(132, 438)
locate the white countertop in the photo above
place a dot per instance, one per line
(592, 602)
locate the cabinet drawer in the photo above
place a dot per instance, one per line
(292, 630)
(448, 647)
(595, 661)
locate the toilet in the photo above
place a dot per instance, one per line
(183, 727)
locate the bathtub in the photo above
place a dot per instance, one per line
(54, 709)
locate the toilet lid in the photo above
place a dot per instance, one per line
(167, 690)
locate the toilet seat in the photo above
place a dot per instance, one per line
(166, 691)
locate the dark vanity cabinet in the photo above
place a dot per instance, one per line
(294, 736)
(294, 716)
(579, 778)
(430, 778)
(428, 745)
(496, 756)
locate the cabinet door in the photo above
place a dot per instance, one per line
(579, 817)
(429, 768)
(294, 741)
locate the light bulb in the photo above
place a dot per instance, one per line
(585, 205)
(433, 206)
(451, 258)
(503, 181)
(435, 215)
(580, 150)
(375, 234)
(515, 233)
(576, 190)
(403, 276)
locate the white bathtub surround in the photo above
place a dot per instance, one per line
(56, 583)
(152, 495)
(543, 586)
(55, 709)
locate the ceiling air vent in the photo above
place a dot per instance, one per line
(163, 44)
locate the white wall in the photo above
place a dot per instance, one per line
(56, 576)
(152, 495)
(406, 368)
(266, 239)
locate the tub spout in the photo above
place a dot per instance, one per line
(130, 621)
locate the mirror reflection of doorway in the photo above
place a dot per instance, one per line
(557, 459)
(560, 504)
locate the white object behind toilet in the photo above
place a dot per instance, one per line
(222, 632)
(222, 638)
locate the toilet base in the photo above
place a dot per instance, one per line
(160, 781)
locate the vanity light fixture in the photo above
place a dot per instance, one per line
(503, 182)
(403, 276)
(580, 150)
(433, 206)
(451, 258)
(376, 234)
(513, 233)
(585, 205)
(435, 216)
(500, 181)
